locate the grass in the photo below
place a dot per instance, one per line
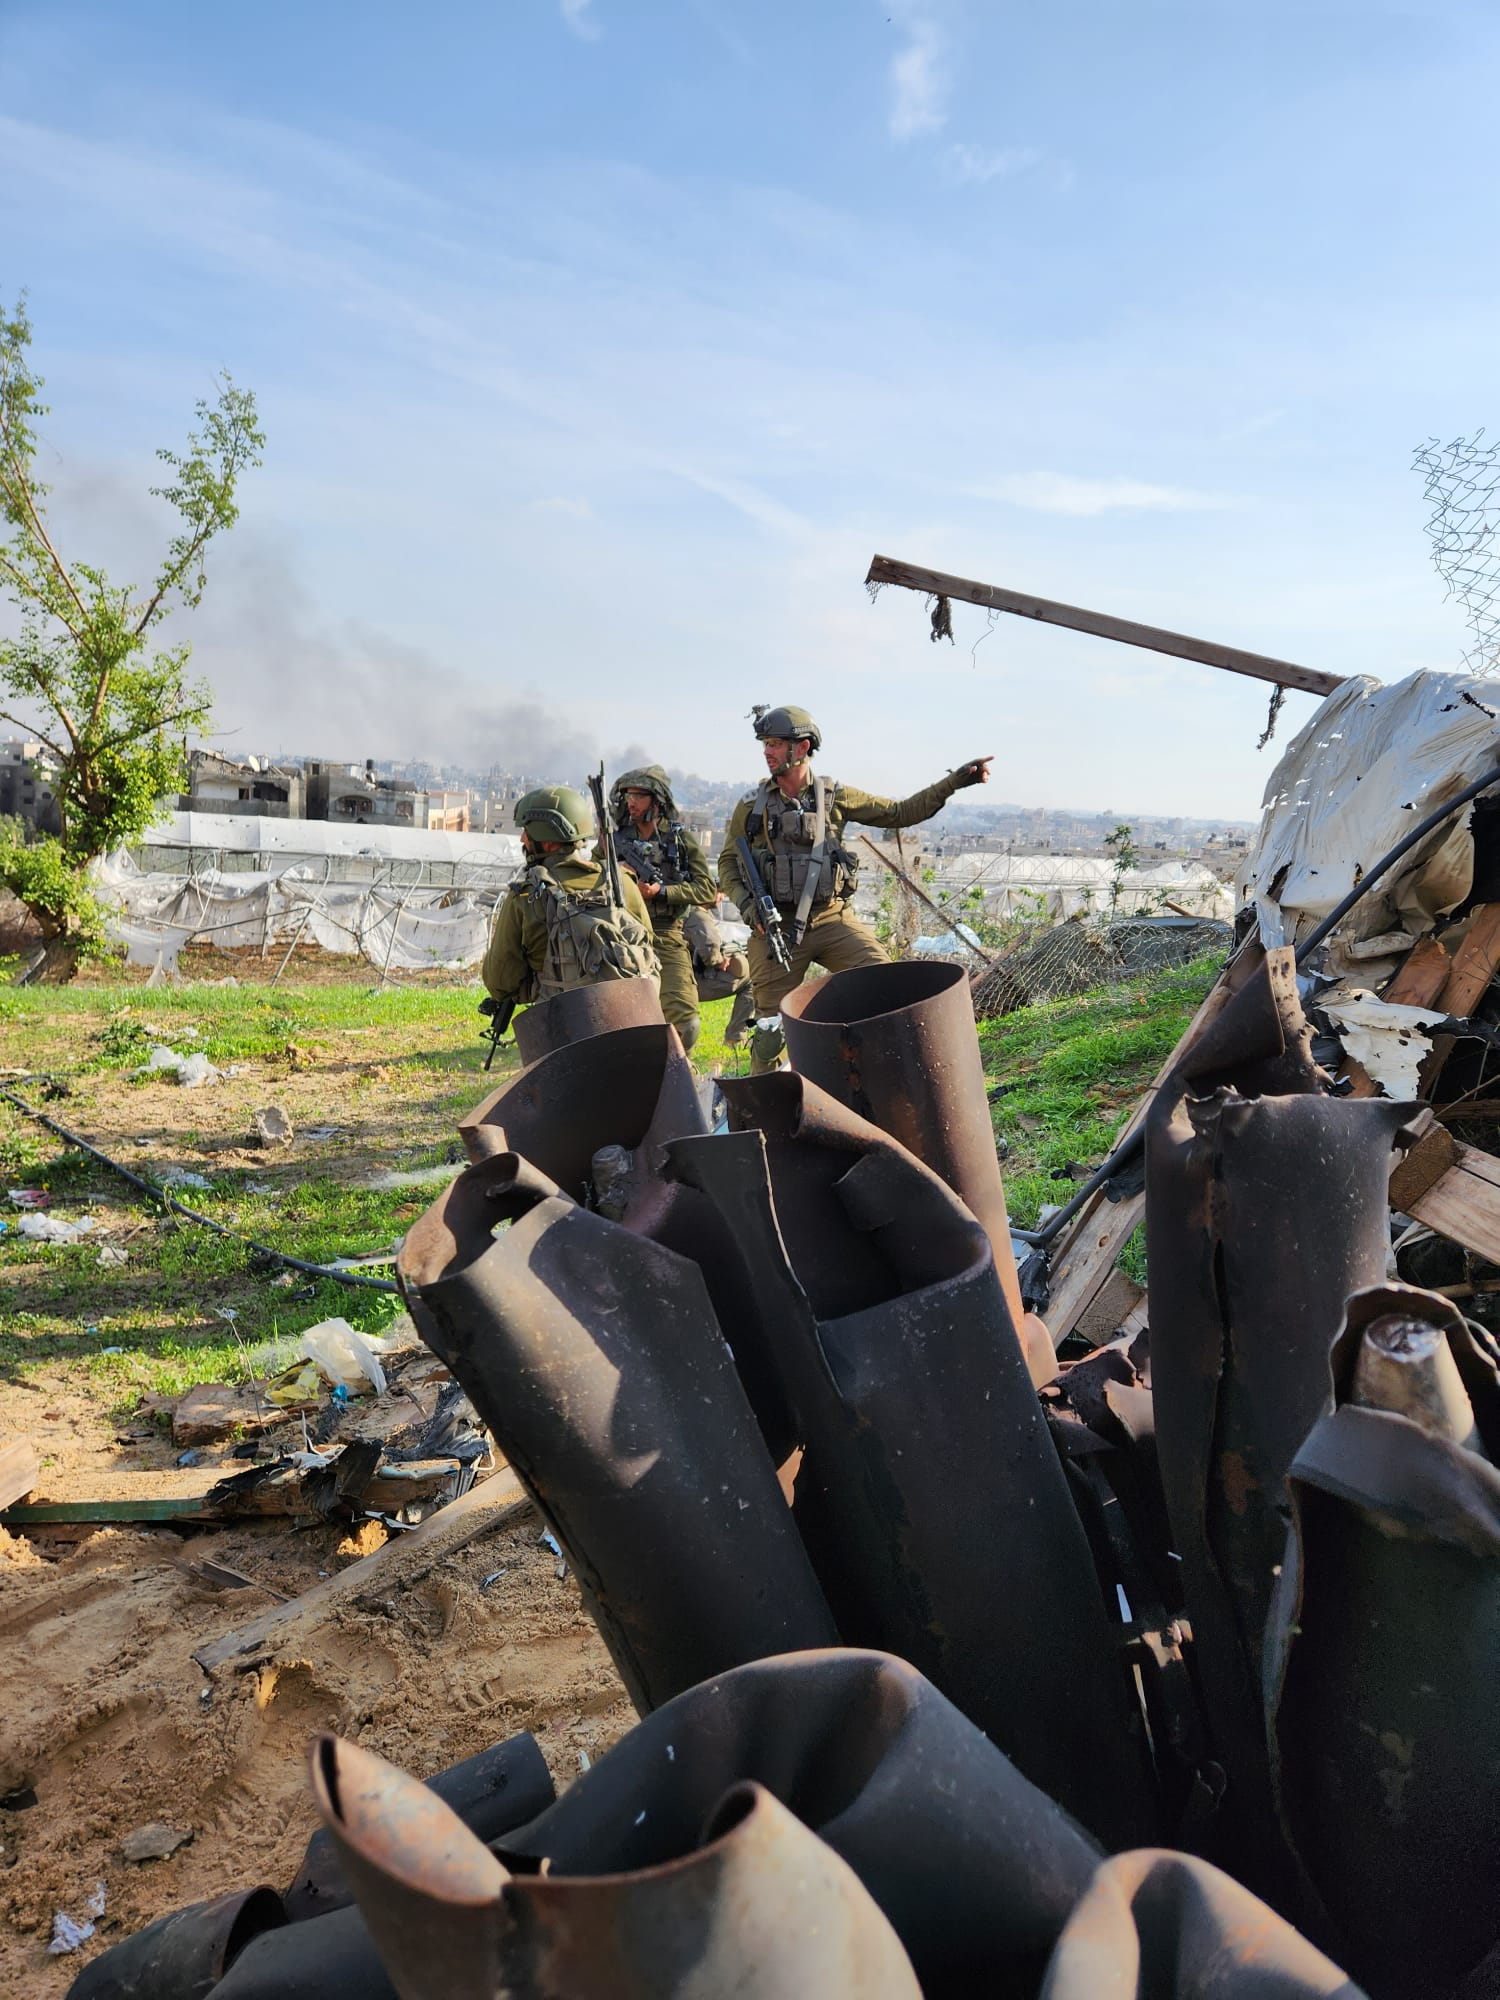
(169, 1310)
(1070, 1072)
(189, 1303)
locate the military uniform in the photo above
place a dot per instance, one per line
(782, 835)
(720, 972)
(671, 856)
(515, 965)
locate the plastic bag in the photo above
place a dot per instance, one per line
(344, 1356)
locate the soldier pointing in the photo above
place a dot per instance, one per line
(793, 824)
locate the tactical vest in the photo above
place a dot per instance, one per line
(785, 829)
(589, 937)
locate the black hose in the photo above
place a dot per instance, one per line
(181, 1208)
(1126, 1151)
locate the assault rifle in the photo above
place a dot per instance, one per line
(606, 840)
(633, 853)
(771, 919)
(498, 1013)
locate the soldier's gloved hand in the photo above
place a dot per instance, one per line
(975, 772)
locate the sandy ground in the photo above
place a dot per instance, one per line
(106, 1722)
(112, 1725)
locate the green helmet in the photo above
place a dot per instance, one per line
(650, 778)
(788, 722)
(555, 812)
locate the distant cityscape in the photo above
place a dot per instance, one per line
(452, 799)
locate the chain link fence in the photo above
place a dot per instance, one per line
(1051, 960)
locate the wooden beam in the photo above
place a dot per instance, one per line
(19, 1470)
(994, 597)
(497, 1502)
(1454, 1189)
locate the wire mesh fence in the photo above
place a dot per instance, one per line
(1052, 960)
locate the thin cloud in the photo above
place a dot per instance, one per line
(578, 19)
(1060, 493)
(963, 165)
(919, 81)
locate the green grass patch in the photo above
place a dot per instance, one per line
(1073, 1070)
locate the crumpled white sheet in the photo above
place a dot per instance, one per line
(1372, 761)
(1385, 1040)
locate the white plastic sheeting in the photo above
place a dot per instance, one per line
(302, 839)
(397, 929)
(1371, 763)
(1073, 884)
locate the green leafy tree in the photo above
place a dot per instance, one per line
(85, 678)
(1122, 843)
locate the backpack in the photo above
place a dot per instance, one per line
(589, 938)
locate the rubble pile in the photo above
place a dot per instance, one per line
(1160, 1668)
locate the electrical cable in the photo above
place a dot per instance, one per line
(1126, 1151)
(177, 1207)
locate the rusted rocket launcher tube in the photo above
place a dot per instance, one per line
(1382, 1648)
(896, 1044)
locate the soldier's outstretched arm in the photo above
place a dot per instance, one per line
(866, 809)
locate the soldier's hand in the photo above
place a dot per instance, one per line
(650, 890)
(975, 772)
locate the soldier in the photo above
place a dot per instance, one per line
(672, 872)
(558, 927)
(720, 972)
(794, 824)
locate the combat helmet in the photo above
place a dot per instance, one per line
(788, 722)
(649, 778)
(555, 812)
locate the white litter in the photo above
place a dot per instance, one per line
(190, 1071)
(410, 1177)
(48, 1229)
(180, 1177)
(344, 1356)
(112, 1256)
(67, 1935)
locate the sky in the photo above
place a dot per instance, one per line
(600, 343)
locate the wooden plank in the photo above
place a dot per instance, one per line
(282, 1490)
(20, 1468)
(1474, 964)
(1465, 1207)
(1419, 979)
(495, 1503)
(1154, 638)
(178, 1507)
(1083, 1267)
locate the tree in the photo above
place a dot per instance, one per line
(84, 678)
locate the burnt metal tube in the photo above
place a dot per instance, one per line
(1380, 1665)
(565, 1018)
(501, 1788)
(595, 1359)
(631, 1087)
(429, 1890)
(929, 1496)
(1169, 1927)
(976, 1869)
(1266, 1207)
(756, 1906)
(185, 1955)
(636, 1089)
(896, 1044)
